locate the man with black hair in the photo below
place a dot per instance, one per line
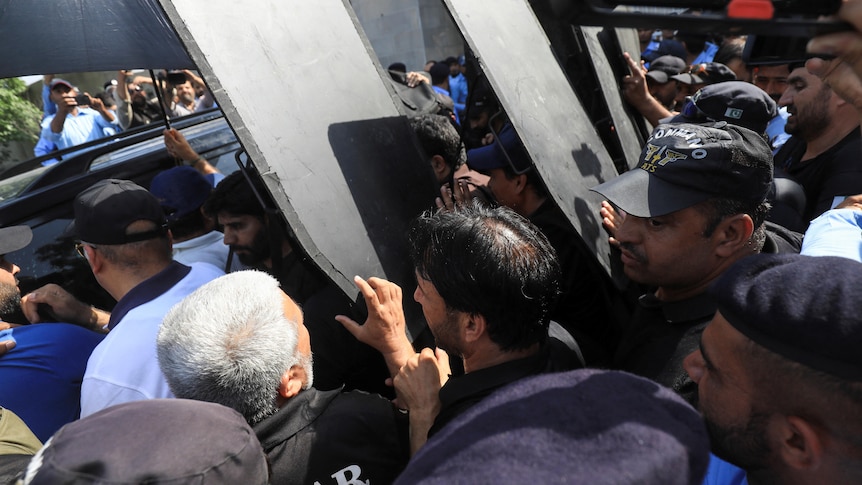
(583, 307)
(695, 205)
(135, 107)
(441, 142)
(260, 239)
(440, 82)
(486, 280)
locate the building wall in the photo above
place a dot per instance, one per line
(409, 31)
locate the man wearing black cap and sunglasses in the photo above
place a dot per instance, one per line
(694, 205)
(124, 237)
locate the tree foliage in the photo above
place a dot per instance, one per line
(19, 118)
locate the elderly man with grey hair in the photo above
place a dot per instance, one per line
(240, 341)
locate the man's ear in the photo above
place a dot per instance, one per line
(800, 446)
(733, 233)
(95, 259)
(439, 166)
(292, 382)
(475, 327)
(520, 183)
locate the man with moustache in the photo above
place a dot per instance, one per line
(823, 153)
(41, 366)
(695, 204)
(486, 280)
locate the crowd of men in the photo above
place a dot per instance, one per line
(737, 361)
(72, 117)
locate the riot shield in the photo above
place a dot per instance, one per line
(304, 95)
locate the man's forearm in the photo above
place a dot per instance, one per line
(420, 423)
(397, 356)
(58, 122)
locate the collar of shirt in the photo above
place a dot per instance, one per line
(148, 290)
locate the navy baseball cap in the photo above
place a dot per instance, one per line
(506, 150)
(736, 102)
(684, 164)
(661, 69)
(180, 191)
(104, 211)
(155, 441)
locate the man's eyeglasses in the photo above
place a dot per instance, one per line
(79, 248)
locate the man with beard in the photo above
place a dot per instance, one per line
(41, 366)
(486, 279)
(259, 237)
(187, 101)
(134, 108)
(823, 153)
(779, 372)
(695, 205)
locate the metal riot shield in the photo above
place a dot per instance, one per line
(301, 89)
(517, 58)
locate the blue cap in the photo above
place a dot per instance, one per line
(180, 191)
(505, 150)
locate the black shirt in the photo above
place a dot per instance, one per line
(835, 172)
(319, 435)
(461, 392)
(662, 334)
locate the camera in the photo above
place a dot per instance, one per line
(176, 77)
(82, 100)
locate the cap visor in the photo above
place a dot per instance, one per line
(485, 158)
(642, 195)
(660, 77)
(14, 238)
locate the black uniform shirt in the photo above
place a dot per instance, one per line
(335, 437)
(461, 392)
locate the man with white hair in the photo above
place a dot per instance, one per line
(240, 341)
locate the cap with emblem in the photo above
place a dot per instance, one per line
(736, 102)
(684, 164)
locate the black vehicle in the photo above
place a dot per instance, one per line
(41, 196)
